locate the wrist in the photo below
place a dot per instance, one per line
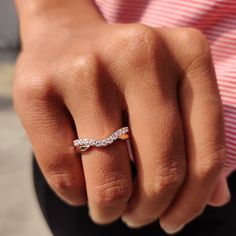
(37, 15)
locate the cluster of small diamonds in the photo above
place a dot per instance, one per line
(102, 142)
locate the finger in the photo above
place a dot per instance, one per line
(158, 146)
(221, 192)
(51, 132)
(107, 169)
(203, 124)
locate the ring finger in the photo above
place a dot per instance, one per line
(106, 169)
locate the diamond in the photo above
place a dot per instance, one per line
(98, 143)
(119, 132)
(113, 136)
(86, 141)
(91, 142)
(104, 143)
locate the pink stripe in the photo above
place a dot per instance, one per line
(230, 126)
(231, 150)
(224, 85)
(217, 19)
(229, 141)
(228, 95)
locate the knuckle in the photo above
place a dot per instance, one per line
(84, 73)
(213, 164)
(85, 64)
(195, 41)
(68, 188)
(192, 35)
(62, 182)
(89, 77)
(141, 33)
(170, 180)
(112, 192)
(36, 86)
(141, 43)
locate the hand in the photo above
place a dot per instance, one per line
(72, 82)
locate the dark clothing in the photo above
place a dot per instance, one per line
(65, 220)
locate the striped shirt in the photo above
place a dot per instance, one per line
(216, 19)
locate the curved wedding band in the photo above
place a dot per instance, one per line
(83, 144)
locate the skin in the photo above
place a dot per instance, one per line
(78, 75)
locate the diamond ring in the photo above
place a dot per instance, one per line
(83, 144)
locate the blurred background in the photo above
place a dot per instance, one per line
(19, 211)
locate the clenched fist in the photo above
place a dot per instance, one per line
(83, 81)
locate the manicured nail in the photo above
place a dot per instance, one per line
(173, 230)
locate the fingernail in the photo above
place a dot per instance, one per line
(173, 230)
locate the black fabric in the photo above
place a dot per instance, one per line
(65, 220)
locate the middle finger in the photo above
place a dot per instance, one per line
(159, 149)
